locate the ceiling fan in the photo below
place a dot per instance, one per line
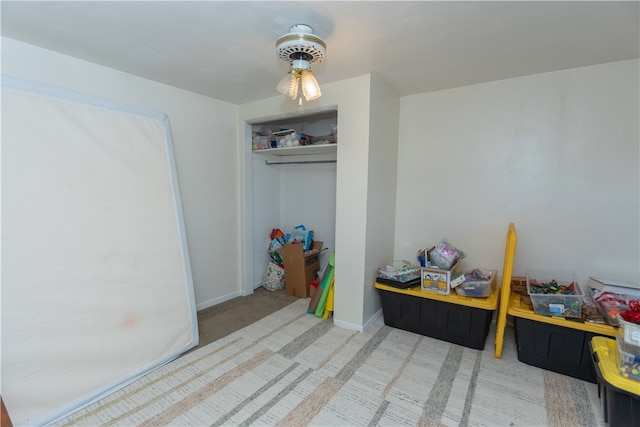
(301, 48)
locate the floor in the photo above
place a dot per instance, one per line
(227, 317)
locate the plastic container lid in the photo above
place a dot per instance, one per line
(607, 358)
(490, 303)
(630, 332)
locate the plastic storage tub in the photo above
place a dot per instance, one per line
(556, 348)
(619, 396)
(567, 304)
(630, 333)
(628, 363)
(399, 271)
(457, 319)
(478, 288)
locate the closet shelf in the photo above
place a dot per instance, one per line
(299, 162)
(299, 150)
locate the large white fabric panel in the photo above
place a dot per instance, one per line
(96, 282)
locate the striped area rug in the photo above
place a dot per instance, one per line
(293, 369)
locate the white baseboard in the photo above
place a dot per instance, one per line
(359, 328)
(216, 301)
(372, 319)
(347, 325)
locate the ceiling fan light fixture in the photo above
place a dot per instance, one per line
(288, 85)
(310, 87)
(301, 48)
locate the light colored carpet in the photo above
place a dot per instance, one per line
(293, 369)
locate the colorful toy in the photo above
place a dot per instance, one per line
(632, 315)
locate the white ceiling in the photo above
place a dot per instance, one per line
(226, 49)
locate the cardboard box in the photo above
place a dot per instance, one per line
(300, 268)
(437, 280)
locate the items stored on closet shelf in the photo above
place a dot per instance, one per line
(265, 138)
(285, 138)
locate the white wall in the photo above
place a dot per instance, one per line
(556, 153)
(266, 213)
(204, 136)
(351, 200)
(310, 188)
(381, 191)
(351, 98)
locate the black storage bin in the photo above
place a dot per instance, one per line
(455, 323)
(620, 408)
(619, 397)
(555, 348)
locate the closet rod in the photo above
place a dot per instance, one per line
(300, 162)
